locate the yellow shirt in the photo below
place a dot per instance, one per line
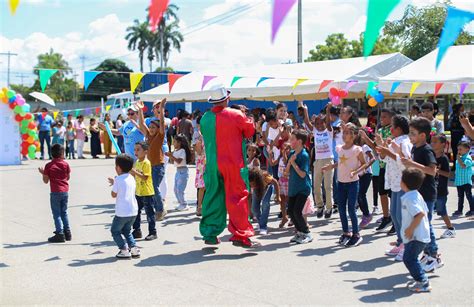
(144, 187)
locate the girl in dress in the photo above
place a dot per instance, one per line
(180, 157)
(95, 139)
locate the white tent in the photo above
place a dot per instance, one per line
(456, 68)
(282, 78)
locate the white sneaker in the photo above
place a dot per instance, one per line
(304, 238)
(296, 237)
(124, 254)
(433, 264)
(376, 210)
(263, 232)
(424, 259)
(135, 252)
(182, 207)
(399, 256)
(448, 233)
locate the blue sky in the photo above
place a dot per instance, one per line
(96, 29)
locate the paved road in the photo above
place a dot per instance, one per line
(178, 269)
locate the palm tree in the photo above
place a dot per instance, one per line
(172, 39)
(138, 37)
(168, 34)
(53, 60)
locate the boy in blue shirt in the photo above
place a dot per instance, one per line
(299, 185)
(463, 179)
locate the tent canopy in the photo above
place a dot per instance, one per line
(456, 68)
(282, 78)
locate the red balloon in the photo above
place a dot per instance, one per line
(343, 93)
(12, 105)
(18, 118)
(31, 125)
(25, 136)
(24, 145)
(28, 116)
(24, 151)
(334, 91)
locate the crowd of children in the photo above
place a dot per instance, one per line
(328, 158)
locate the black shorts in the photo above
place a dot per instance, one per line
(381, 182)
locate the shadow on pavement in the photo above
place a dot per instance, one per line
(25, 244)
(192, 257)
(100, 209)
(364, 266)
(79, 263)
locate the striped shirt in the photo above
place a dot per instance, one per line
(463, 175)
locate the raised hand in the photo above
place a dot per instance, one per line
(140, 104)
(111, 181)
(41, 170)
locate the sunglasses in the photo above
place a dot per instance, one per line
(131, 113)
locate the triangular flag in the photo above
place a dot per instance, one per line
(377, 13)
(135, 78)
(394, 87)
(89, 77)
(206, 80)
(298, 82)
(324, 84)
(414, 86)
(107, 108)
(78, 112)
(437, 88)
(453, 25)
(13, 6)
(65, 113)
(370, 86)
(97, 110)
(350, 84)
(55, 114)
(44, 76)
(463, 88)
(280, 10)
(156, 11)
(235, 79)
(172, 78)
(262, 79)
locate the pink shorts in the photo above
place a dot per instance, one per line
(283, 181)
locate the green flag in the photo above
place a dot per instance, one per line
(45, 75)
(235, 79)
(377, 13)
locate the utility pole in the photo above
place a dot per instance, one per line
(83, 61)
(300, 32)
(75, 87)
(8, 54)
(21, 76)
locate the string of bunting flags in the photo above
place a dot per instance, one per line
(77, 112)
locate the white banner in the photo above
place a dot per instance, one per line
(9, 137)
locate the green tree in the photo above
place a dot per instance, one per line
(138, 36)
(21, 89)
(109, 83)
(419, 30)
(168, 35)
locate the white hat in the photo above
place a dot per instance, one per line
(218, 94)
(133, 107)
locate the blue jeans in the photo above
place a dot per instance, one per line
(120, 143)
(465, 189)
(431, 248)
(335, 188)
(59, 208)
(364, 183)
(180, 183)
(146, 202)
(70, 149)
(157, 174)
(261, 207)
(396, 213)
(441, 205)
(123, 226)
(347, 195)
(44, 136)
(410, 259)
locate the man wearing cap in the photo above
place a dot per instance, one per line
(131, 133)
(226, 176)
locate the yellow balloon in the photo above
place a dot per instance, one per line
(5, 90)
(372, 102)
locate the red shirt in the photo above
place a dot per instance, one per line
(58, 172)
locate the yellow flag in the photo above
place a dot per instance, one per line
(107, 108)
(414, 86)
(13, 6)
(298, 82)
(55, 114)
(135, 78)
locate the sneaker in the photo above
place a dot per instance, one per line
(296, 237)
(365, 221)
(379, 220)
(263, 232)
(182, 207)
(343, 239)
(305, 238)
(213, 241)
(448, 233)
(457, 213)
(137, 234)
(327, 213)
(334, 209)
(433, 264)
(354, 241)
(418, 286)
(135, 252)
(392, 231)
(151, 237)
(159, 216)
(246, 242)
(386, 221)
(469, 213)
(319, 212)
(424, 259)
(124, 254)
(376, 210)
(57, 238)
(67, 235)
(399, 256)
(257, 227)
(394, 251)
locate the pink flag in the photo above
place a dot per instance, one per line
(437, 88)
(350, 84)
(206, 80)
(324, 84)
(280, 10)
(156, 11)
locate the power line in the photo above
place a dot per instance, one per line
(8, 54)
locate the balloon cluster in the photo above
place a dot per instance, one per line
(377, 97)
(336, 95)
(26, 120)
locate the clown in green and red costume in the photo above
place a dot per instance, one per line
(226, 176)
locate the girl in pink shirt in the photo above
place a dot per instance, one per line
(351, 162)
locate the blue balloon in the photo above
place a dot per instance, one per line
(12, 99)
(379, 97)
(26, 108)
(374, 91)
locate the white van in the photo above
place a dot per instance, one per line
(118, 103)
